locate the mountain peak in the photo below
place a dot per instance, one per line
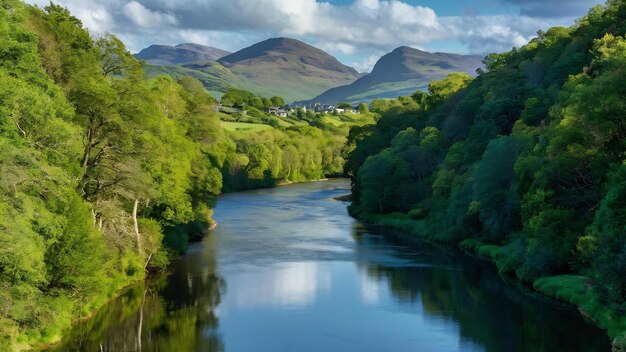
(287, 50)
(404, 49)
(180, 54)
(401, 72)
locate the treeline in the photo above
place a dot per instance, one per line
(240, 98)
(97, 163)
(526, 163)
(99, 167)
(295, 154)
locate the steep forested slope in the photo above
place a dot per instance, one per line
(525, 163)
(105, 174)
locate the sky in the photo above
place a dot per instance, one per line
(357, 32)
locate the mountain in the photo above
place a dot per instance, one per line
(180, 54)
(287, 50)
(279, 66)
(401, 72)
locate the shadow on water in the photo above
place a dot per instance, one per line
(495, 313)
(171, 312)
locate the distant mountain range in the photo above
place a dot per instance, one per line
(279, 66)
(401, 72)
(180, 54)
(299, 72)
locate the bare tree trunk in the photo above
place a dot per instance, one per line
(140, 322)
(147, 261)
(18, 126)
(88, 146)
(138, 236)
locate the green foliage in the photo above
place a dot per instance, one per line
(440, 90)
(608, 227)
(525, 163)
(363, 108)
(237, 98)
(277, 101)
(97, 164)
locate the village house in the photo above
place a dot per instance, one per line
(276, 111)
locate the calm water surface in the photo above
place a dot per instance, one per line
(289, 270)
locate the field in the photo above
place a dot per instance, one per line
(242, 126)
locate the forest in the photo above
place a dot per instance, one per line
(525, 164)
(107, 174)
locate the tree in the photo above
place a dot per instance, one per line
(114, 58)
(608, 227)
(277, 101)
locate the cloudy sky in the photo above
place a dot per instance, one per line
(357, 32)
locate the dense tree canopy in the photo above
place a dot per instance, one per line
(106, 174)
(529, 157)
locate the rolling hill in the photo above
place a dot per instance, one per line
(401, 72)
(279, 66)
(180, 54)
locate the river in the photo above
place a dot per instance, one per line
(288, 270)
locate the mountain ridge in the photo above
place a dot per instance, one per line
(298, 71)
(180, 54)
(285, 48)
(400, 72)
(284, 67)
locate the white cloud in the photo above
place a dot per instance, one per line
(145, 18)
(338, 47)
(97, 19)
(483, 34)
(361, 29)
(367, 64)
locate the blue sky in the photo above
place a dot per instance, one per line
(357, 32)
(456, 7)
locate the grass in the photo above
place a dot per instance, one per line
(282, 122)
(577, 291)
(242, 126)
(216, 94)
(263, 78)
(331, 120)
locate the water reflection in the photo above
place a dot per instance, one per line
(289, 270)
(495, 315)
(289, 285)
(172, 312)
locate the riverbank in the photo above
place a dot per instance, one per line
(48, 337)
(572, 289)
(394, 294)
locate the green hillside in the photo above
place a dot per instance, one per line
(401, 72)
(106, 175)
(525, 164)
(279, 66)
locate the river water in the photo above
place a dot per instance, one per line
(288, 270)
